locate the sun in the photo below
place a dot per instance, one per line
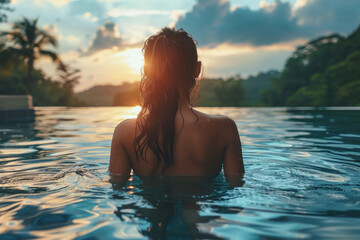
(136, 109)
(132, 112)
(134, 59)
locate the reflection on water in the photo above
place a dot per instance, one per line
(302, 180)
(170, 206)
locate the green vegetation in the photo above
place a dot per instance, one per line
(235, 91)
(324, 72)
(126, 94)
(129, 95)
(256, 85)
(25, 44)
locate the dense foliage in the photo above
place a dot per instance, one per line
(25, 44)
(235, 91)
(324, 72)
(126, 94)
(46, 92)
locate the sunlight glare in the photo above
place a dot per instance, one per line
(134, 58)
(136, 109)
(132, 112)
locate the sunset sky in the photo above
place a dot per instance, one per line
(103, 38)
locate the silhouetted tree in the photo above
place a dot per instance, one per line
(230, 92)
(69, 77)
(28, 43)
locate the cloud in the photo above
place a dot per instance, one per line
(58, 3)
(73, 39)
(136, 12)
(107, 37)
(213, 22)
(244, 61)
(43, 3)
(89, 16)
(329, 15)
(82, 7)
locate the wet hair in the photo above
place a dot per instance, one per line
(168, 78)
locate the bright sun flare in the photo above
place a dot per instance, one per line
(134, 58)
(136, 109)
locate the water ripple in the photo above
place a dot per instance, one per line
(302, 180)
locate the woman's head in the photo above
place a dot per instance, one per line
(171, 62)
(169, 74)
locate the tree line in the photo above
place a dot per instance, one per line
(20, 49)
(323, 72)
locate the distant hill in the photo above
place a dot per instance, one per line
(103, 95)
(251, 88)
(255, 85)
(213, 92)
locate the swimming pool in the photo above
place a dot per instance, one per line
(302, 180)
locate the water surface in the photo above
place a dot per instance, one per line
(302, 180)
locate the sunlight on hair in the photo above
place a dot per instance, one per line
(134, 58)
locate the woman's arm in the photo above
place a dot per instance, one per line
(233, 159)
(119, 160)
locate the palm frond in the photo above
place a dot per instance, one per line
(31, 32)
(14, 51)
(50, 54)
(4, 33)
(18, 38)
(63, 68)
(46, 38)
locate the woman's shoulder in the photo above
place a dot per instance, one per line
(216, 119)
(126, 124)
(125, 128)
(219, 125)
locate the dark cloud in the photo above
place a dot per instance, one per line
(213, 21)
(330, 15)
(108, 37)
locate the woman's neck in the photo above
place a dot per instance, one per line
(185, 113)
(184, 105)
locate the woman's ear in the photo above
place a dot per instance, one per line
(197, 69)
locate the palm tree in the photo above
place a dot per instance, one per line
(28, 43)
(69, 77)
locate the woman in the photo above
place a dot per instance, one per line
(169, 137)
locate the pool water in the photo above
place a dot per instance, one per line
(302, 180)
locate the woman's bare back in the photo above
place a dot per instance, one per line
(202, 145)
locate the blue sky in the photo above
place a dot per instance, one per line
(104, 37)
